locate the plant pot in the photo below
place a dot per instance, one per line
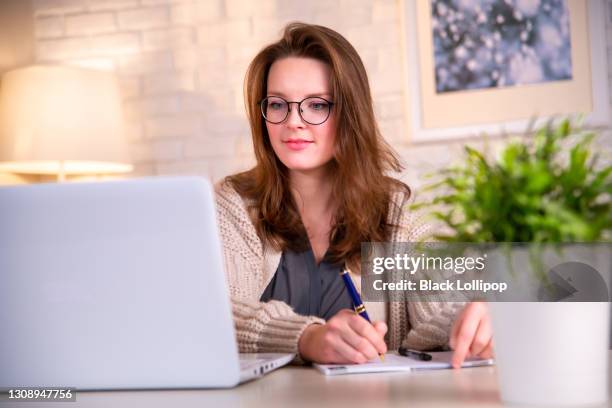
(552, 353)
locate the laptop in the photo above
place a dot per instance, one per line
(117, 285)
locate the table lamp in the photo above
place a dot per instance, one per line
(60, 120)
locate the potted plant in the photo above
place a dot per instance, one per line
(546, 188)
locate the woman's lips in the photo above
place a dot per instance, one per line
(298, 144)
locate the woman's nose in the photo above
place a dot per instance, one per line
(293, 117)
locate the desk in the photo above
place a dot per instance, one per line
(305, 387)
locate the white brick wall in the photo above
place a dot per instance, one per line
(84, 24)
(114, 44)
(144, 18)
(145, 63)
(50, 27)
(167, 39)
(195, 13)
(175, 126)
(113, 5)
(164, 83)
(181, 65)
(59, 6)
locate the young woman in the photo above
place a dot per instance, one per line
(318, 190)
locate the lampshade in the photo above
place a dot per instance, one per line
(61, 120)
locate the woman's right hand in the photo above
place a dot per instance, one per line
(345, 338)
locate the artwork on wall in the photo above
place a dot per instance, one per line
(492, 44)
(492, 66)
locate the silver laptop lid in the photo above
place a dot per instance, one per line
(114, 285)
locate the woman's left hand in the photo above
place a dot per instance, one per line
(472, 334)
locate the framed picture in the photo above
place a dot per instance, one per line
(494, 66)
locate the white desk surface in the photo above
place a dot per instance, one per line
(305, 387)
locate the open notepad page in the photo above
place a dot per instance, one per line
(395, 362)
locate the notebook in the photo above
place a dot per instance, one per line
(395, 362)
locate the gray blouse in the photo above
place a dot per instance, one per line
(310, 289)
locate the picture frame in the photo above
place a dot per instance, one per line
(493, 111)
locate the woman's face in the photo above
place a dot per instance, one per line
(299, 145)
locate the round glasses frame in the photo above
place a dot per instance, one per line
(262, 103)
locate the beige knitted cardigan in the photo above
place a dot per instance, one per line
(273, 326)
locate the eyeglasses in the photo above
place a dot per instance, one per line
(313, 111)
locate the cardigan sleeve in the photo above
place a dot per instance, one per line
(260, 326)
(430, 321)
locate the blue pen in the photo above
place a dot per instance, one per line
(358, 305)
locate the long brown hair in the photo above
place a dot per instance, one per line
(361, 189)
